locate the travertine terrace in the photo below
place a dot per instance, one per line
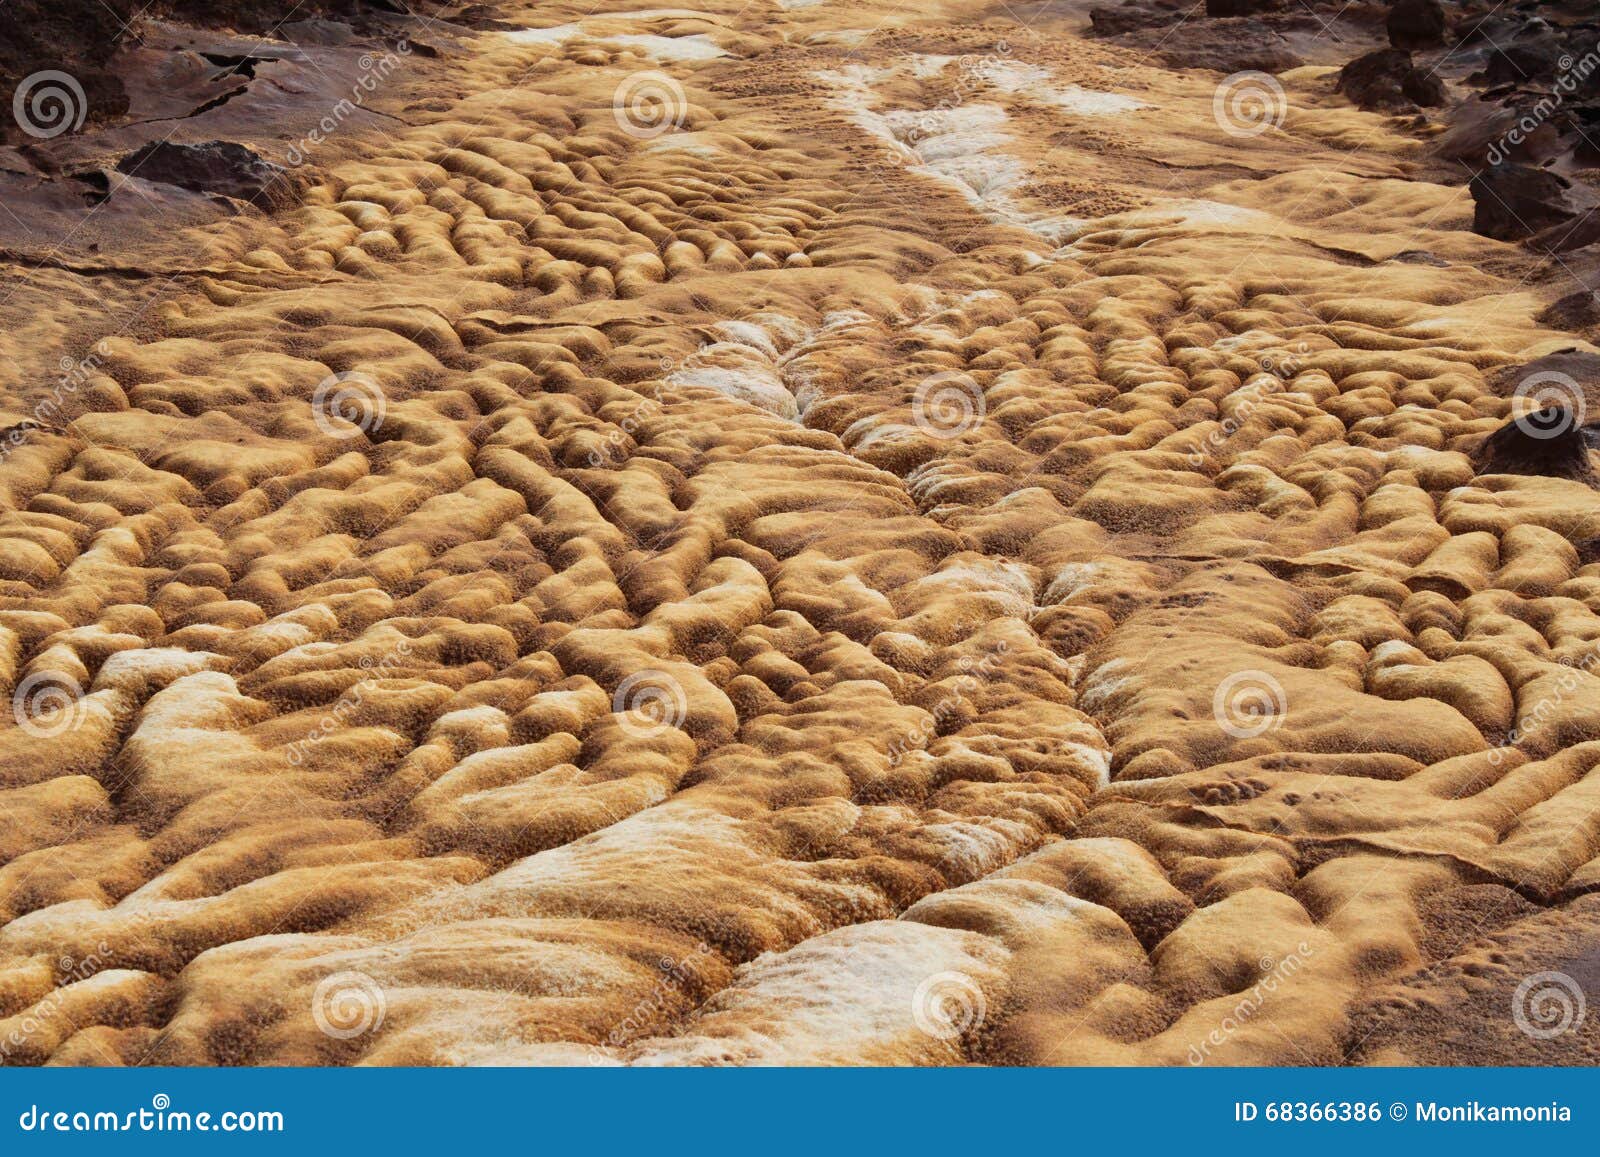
(794, 533)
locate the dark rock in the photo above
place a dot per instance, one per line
(1529, 60)
(216, 167)
(97, 185)
(317, 31)
(1548, 443)
(1126, 18)
(482, 18)
(1153, 26)
(1480, 28)
(1577, 365)
(1585, 123)
(1513, 202)
(1241, 7)
(1414, 24)
(1578, 233)
(78, 38)
(75, 37)
(1575, 311)
(1538, 62)
(1232, 56)
(1386, 79)
(261, 16)
(1477, 127)
(1421, 257)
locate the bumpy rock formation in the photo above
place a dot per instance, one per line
(831, 534)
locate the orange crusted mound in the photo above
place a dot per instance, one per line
(798, 533)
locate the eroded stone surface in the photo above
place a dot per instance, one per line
(934, 556)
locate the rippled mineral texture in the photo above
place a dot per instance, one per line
(791, 532)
